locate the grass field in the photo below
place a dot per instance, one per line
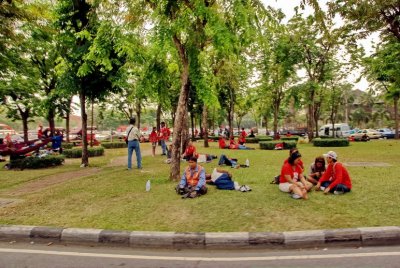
(115, 198)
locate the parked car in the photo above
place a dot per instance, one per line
(366, 133)
(386, 133)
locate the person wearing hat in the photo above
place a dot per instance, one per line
(336, 179)
(193, 181)
(292, 180)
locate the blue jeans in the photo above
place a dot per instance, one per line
(134, 145)
(163, 146)
(224, 182)
(340, 187)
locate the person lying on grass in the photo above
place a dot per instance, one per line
(292, 180)
(193, 181)
(222, 179)
(336, 179)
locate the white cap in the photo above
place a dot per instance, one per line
(331, 154)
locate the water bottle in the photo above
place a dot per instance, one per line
(148, 186)
(247, 163)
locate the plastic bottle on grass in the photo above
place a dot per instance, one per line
(247, 163)
(148, 186)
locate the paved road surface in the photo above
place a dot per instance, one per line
(55, 256)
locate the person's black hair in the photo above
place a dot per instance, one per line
(163, 123)
(293, 157)
(192, 159)
(319, 159)
(334, 160)
(132, 121)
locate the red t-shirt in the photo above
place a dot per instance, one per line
(287, 169)
(153, 137)
(190, 150)
(300, 163)
(164, 133)
(221, 143)
(337, 174)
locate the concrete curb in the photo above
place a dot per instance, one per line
(366, 236)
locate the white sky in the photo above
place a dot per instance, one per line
(287, 7)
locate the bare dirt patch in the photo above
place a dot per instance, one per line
(51, 180)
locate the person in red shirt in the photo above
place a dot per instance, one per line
(336, 179)
(190, 151)
(40, 132)
(292, 180)
(164, 137)
(153, 138)
(242, 137)
(222, 142)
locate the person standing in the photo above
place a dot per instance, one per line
(40, 132)
(132, 136)
(153, 139)
(336, 179)
(164, 137)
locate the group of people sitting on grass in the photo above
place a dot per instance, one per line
(331, 179)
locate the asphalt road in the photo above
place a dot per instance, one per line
(55, 256)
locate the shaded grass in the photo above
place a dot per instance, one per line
(115, 198)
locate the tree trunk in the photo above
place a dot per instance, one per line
(276, 112)
(192, 123)
(67, 119)
(180, 112)
(396, 116)
(205, 126)
(50, 118)
(310, 122)
(158, 117)
(91, 124)
(85, 155)
(138, 114)
(231, 112)
(185, 136)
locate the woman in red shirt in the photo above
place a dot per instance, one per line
(336, 179)
(153, 138)
(292, 179)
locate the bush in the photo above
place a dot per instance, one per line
(112, 145)
(251, 140)
(318, 142)
(264, 138)
(77, 152)
(66, 145)
(37, 162)
(291, 138)
(270, 145)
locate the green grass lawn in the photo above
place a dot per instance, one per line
(115, 198)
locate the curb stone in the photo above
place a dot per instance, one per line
(364, 236)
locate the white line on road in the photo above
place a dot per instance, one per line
(218, 259)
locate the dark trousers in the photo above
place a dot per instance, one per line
(339, 187)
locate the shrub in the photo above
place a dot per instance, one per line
(270, 145)
(214, 138)
(77, 152)
(264, 138)
(66, 145)
(112, 145)
(37, 162)
(291, 138)
(330, 142)
(251, 140)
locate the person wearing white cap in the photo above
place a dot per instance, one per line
(336, 179)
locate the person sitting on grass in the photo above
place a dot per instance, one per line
(292, 180)
(316, 170)
(193, 181)
(336, 179)
(190, 151)
(222, 142)
(234, 145)
(222, 179)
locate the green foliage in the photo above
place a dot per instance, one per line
(291, 138)
(270, 145)
(263, 138)
(76, 152)
(329, 142)
(33, 162)
(112, 145)
(66, 145)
